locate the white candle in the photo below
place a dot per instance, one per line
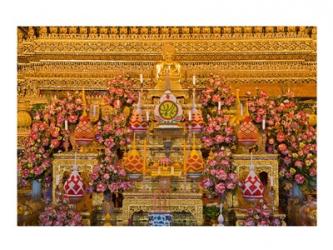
(169, 68)
(141, 78)
(241, 109)
(147, 115)
(219, 106)
(190, 115)
(66, 125)
(193, 80)
(94, 110)
(57, 180)
(263, 123)
(272, 181)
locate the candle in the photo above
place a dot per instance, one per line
(169, 68)
(193, 80)
(141, 78)
(219, 106)
(190, 115)
(172, 170)
(94, 110)
(147, 115)
(263, 123)
(272, 181)
(57, 180)
(241, 109)
(66, 125)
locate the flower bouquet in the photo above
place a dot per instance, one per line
(61, 214)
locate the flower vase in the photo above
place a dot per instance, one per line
(36, 190)
(296, 192)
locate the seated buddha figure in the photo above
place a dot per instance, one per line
(168, 64)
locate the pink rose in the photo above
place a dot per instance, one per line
(55, 143)
(100, 187)
(206, 183)
(228, 139)
(313, 171)
(122, 172)
(216, 98)
(72, 118)
(106, 176)
(228, 130)
(220, 188)
(25, 173)
(280, 137)
(219, 139)
(94, 176)
(299, 179)
(298, 164)
(233, 177)
(231, 185)
(221, 175)
(34, 136)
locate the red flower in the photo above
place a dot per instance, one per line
(299, 179)
(280, 137)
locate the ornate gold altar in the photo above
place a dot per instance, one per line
(53, 60)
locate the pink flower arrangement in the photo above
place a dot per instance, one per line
(119, 93)
(61, 214)
(289, 134)
(218, 133)
(109, 178)
(216, 92)
(219, 175)
(47, 135)
(261, 216)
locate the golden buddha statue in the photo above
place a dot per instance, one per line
(168, 71)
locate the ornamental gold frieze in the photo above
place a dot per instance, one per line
(42, 46)
(208, 57)
(174, 32)
(70, 66)
(231, 74)
(302, 87)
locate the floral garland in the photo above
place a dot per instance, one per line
(47, 136)
(61, 214)
(261, 216)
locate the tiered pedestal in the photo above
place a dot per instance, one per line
(182, 198)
